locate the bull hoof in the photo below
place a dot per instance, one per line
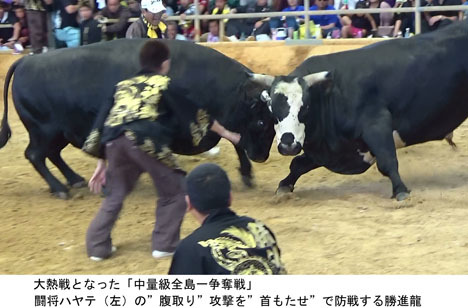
(402, 196)
(284, 190)
(79, 184)
(61, 195)
(248, 181)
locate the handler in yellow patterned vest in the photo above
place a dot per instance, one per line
(135, 138)
(225, 243)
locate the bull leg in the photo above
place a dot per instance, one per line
(73, 179)
(245, 167)
(299, 166)
(378, 136)
(37, 159)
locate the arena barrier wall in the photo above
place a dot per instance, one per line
(274, 57)
(281, 57)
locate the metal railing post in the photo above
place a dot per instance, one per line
(221, 29)
(307, 18)
(417, 17)
(197, 21)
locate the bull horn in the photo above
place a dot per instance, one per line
(316, 77)
(267, 80)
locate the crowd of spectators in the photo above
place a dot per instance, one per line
(81, 22)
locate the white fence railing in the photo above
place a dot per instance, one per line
(417, 9)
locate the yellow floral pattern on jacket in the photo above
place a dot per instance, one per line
(231, 250)
(199, 128)
(136, 99)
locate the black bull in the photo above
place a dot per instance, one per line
(58, 95)
(375, 99)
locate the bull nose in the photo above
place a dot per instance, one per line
(287, 139)
(293, 149)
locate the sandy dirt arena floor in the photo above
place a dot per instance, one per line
(331, 224)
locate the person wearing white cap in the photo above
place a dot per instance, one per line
(149, 25)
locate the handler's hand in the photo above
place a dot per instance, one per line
(99, 177)
(233, 137)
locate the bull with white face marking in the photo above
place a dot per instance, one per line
(348, 110)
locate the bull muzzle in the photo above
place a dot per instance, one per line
(293, 149)
(288, 145)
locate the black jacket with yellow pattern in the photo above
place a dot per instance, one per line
(136, 112)
(228, 244)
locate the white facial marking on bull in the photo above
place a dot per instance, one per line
(399, 143)
(290, 124)
(367, 157)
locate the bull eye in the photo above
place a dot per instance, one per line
(260, 123)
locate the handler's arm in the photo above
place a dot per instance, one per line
(223, 132)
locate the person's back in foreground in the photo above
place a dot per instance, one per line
(225, 243)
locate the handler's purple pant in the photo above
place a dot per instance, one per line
(125, 164)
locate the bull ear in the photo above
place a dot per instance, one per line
(314, 78)
(266, 80)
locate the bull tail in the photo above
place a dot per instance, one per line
(449, 139)
(5, 131)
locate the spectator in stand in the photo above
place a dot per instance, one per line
(8, 17)
(171, 6)
(23, 38)
(292, 23)
(36, 16)
(202, 6)
(186, 8)
(361, 24)
(279, 5)
(114, 10)
(134, 8)
(20, 39)
(434, 20)
(90, 29)
(169, 11)
(173, 32)
(221, 7)
(67, 29)
(403, 21)
(328, 23)
(230, 3)
(252, 26)
(382, 19)
(150, 24)
(213, 35)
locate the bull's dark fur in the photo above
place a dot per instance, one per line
(58, 94)
(416, 86)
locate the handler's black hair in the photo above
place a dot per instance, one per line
(153, 54)
(208, 188)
